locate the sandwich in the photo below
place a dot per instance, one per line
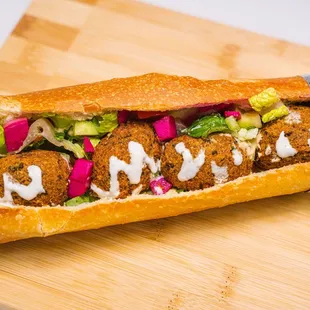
(147, 147)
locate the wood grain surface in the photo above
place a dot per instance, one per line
(248, 256)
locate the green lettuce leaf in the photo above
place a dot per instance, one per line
(206, 125)
(2, 141)
(106, 123)
(79, 200)
(265, 99)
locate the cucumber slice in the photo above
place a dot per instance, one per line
(85, 128)
(94, 141)
(250, 120)
(62, 122)
(232, 124)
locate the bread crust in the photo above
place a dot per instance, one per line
(25, 222)
(149, 92)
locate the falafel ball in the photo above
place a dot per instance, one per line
(55, 174)
(171, 163)
(219, 164)
(116, 145)
(224, 152)
(296, 130)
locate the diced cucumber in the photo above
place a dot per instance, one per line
(94, 141)
(2, 141)
(62, 122)
(232, 124)
(2, 138)
(85, 128)
(250, 120)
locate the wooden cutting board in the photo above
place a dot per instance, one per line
(248, 256)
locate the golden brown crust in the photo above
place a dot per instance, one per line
(26, 222)
(150, 92)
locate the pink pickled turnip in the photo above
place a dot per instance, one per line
(79, 180)
(15, 133)
(235, 114)
(76, 189)
(165, 128)
(123, 116)
(160, 186)
(88, 147)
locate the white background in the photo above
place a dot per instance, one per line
(284, 19)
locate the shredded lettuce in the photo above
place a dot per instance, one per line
(264, 99)
(206, 125)
(60, 136)
(106, 123)
(275, 114)
(79, 200)
(75, 148)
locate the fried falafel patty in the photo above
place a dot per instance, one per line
(171, 164)
(224, 152)
(55, 174)
(285, 141)
(117, 145)
(224, 161)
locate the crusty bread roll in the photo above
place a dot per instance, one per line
(151, 92)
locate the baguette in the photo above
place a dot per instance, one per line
(151, 92)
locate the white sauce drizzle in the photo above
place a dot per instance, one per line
(220, 173)
(101, 193)
(237, 156)
(138, 160)
(249, 148)
(137, 190)
(284, 148)
(28, 192)
(268, 150)
(190, 166)
(158, 163)
(293, 118)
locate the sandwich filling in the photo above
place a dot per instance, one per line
(50, 160)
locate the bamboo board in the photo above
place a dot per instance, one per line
(249, 256)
